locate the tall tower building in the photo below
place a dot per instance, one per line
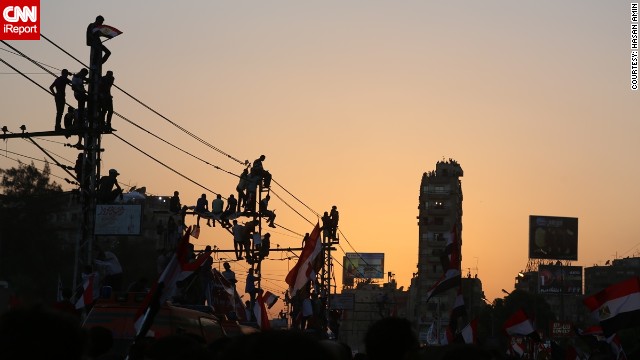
(440, 213)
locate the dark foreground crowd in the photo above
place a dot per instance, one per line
(42, 333)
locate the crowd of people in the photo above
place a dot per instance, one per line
(42, 332)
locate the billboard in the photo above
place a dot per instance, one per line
(553, 237)
(362, 265)
(118, 219)
(558, 279)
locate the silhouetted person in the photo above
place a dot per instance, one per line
(106, 100)
(93, 40)
(174, 203)
(258, 169)
(335, 217)
(111, 268)
(217, 206)
(326, 225)
(108, 188)
(275, 344)
(100, 343)
(71, 123)
(202, 207)
(40, 333)
(232, 204)
(229, 275)
(57, 88)
(265, 246)
(79, 93)
(264, 211)
(242, 188)
(250, 288)
(238, 239)
(391, 338)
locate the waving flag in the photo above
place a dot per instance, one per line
(458, 313)
(260, 311)
(303, 272)
(449, 280)
(270, 299)
(178, 269)
(106, 31)
(519, 324)
(470, 332)
(617, 307)
(87, 293)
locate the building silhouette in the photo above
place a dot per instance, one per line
(439, 214)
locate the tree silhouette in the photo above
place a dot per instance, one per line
(27, 180)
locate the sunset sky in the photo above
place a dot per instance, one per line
(351, 101)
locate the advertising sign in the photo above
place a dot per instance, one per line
(552, 237)
(558, 279)
(118, 219)
(560, 329)
(362, 266)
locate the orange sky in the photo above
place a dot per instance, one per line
(352, 102)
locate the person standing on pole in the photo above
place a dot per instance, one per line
(59, 85)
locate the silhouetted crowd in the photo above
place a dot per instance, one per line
(42, 332)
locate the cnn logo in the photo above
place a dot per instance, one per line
(20, 20)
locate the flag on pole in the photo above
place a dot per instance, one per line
(449, 280)
(176, 270)
(519, 324)
(87, 292)
(458, 313)
(106, 31)
(303, 272)
(260, 311)
(616, 307)
(469, 333)
(451, 248)
(270, 299)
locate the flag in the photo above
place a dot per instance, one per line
(451, 249)
(449, 280)
(270, 299)
(176, 270)
(517, 349)
(519, 324)
(87, 292)
(260, 311)
(106, 31)
(302, 272)
(458, 313)
(469, 333)
(617, 307)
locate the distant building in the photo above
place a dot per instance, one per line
(439, 213)
(597, 278)
(371, 302)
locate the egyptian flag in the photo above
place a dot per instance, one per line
(451, 248)
(517, 349)
(177, 269)
(617, 307)
(303, 271)
(87, 292)
(106, 31)
(450, 279)
(519, 324)
(458, 313)
(469, 333)
(260, 311)
(270, 299)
